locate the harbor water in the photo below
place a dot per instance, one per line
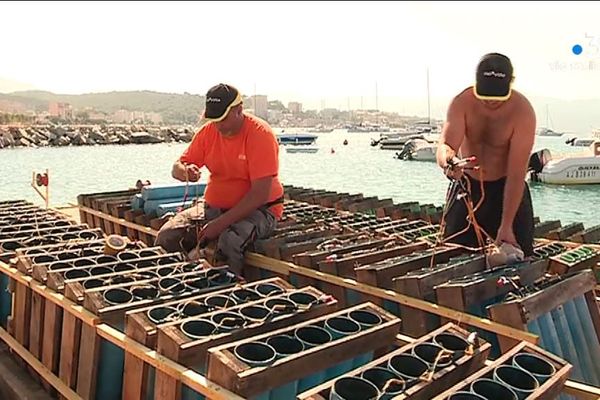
(356, 168)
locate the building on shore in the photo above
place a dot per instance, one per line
(60, 110)
(260, 105)
(295, 107)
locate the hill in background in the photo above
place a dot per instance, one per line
(570, 116)
(173, 107)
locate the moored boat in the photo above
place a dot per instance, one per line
(296, 138)
(569, 170)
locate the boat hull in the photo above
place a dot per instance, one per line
(303, 149)
(570, 171)
(424, 154)
(296, 138)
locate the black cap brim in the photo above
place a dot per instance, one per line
(492, 89)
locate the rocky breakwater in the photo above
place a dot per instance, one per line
(78, 135)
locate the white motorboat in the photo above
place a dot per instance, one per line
(296, 138)
(578, 169)
(425, 153)
(301, 149)
(418, 149)
(547, 132)
(584, 141)
(320, 129)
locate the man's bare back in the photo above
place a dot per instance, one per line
(489, 127)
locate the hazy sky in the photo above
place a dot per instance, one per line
(315, 52)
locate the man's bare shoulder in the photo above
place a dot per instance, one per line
(522, 104)
(522, 113)
(464, 97)
(461, 102)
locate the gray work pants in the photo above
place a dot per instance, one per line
(180, 233)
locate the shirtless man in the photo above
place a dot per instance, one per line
(496, 125)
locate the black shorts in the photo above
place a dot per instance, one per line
(489, 214)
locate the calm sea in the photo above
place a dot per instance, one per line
(357, 167)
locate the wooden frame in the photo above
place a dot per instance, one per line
(518, 313)
(139, 327)
(424, 390)
(549, 390)
(382, 274)
(559, 266)
(194, 380)
(174, 344)
(237, 376)
(284, 268)
(460, 295)
(168, 367)
(420, 284)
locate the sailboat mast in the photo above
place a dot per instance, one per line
(428, 101)
(376, 98)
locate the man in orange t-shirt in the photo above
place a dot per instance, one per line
(244, 197)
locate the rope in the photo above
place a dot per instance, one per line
(429, 374)
(464, 194)
(398, 381)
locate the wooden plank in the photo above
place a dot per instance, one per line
(22, 352)
(509, 315)
(52, 336)
(274, 245)
(594, 310)
(129, 217)
(226, 370)
(289, 250)
(108, 226)
(69, 346)
(89, 360)
(166, 387)
(489, 288)
(329, 201)
(98, 222)
(119, 213)
(581, 391)
(22, 313)
(344, 202)
(54, 297)
(36, 325)
(135, 376)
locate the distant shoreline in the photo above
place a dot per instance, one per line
(32, 136)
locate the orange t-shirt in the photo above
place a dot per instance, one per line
(234, 162)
